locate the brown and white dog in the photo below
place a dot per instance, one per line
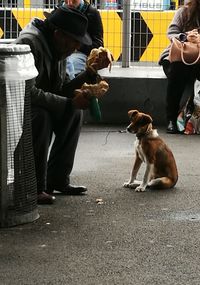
(161, 171)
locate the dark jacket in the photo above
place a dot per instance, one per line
(95, 26)
(52, 89)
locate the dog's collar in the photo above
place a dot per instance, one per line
(141, 135)
(148, 130)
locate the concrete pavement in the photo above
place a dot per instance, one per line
(128, 239)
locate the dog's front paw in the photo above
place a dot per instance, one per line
(129, 185)
(140, 189)
(126, 184)
(133, 184)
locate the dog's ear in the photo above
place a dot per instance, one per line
(146, 119)
(132, 113)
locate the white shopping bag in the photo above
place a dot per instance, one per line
(197, 92)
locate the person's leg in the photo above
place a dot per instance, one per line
(41, 135)
(76, 63)
(178, 76)
(61, 158)
(70, 67)
(79, 61)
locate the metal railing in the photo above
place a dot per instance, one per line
(135, 34)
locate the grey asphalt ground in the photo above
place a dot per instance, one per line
(129, 238)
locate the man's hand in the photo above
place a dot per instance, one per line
(82, 96)
(100, 58)
(81, 99)
(96, 90)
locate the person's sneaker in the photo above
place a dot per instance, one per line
(172, 128)
(45, 199)
(69, 190)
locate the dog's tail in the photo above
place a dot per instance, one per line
(162, 183)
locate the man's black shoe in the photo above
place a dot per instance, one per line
(69, 190)
(45, 199)
(172, 128)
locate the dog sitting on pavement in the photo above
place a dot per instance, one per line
(161, 171)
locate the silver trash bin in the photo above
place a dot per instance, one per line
(18, 188)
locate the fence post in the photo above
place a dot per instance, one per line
(3, 155)
(126, 39)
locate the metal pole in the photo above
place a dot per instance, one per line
(3, 155)
(126, 37)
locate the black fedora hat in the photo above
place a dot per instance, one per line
(72, 22)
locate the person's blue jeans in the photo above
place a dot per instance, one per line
(75, 63)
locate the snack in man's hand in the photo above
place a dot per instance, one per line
(93, 92)
(100, 58)
(96, 90)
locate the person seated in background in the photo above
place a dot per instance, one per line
(76, 62)
(179, 75)
(55, 108)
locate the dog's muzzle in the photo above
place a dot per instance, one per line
(129, 129)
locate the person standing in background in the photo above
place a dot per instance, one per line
(76, 63)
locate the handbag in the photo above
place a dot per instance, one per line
(187, 52)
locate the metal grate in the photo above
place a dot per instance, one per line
(18, 187)
(24, 195)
